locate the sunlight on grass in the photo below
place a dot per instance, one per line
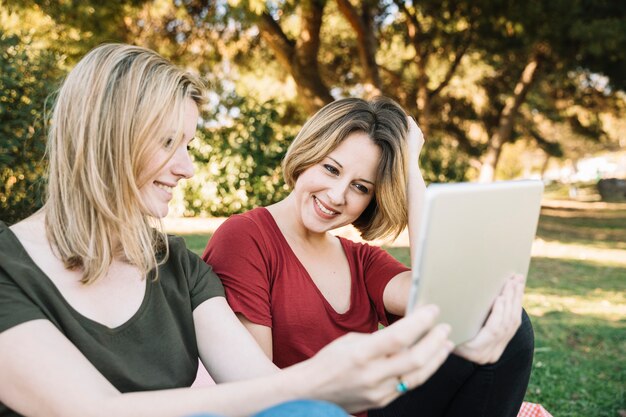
(606, 305)
(562, 250)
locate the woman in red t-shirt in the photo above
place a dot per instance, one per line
(296, 287)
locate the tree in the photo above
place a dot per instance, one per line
(435, 44)
(479, 76)
(27, 77)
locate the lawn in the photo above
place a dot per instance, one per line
(576, 298)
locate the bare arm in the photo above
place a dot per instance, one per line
(223, 342)
(416, 185)
(43, 374)
(505, 316)
(395, 296)
(262, 334)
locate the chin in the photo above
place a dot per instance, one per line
(158, 212)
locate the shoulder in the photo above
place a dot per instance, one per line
(181, 259)
(188, 270)
(251, 228)
(14, 255)
(258, 218)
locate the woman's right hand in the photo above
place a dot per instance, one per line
(362, 371)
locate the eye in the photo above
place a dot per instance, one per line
(331, 169)
(168, 143)
(361, 188)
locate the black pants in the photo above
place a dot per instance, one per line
(462, 388)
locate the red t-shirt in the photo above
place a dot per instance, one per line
(266, 282)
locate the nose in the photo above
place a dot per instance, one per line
(337, 193)
(183, 165)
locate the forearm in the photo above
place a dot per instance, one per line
(230, 399)
(416, 192)
(416, 185)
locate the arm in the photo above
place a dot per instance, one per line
(223, 342)
(262, 334)
(416, 185)
(396, 292)
(505, 316)
(244, 274)
(43, 374)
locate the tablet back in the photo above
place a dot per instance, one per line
(472, 238)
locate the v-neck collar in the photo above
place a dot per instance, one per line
(296, 260)
(13, 243)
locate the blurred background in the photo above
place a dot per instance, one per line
(501, 89)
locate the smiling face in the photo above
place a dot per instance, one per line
(156, 191)
(335, 191)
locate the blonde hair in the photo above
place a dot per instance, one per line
(385, 122)
(110, 115)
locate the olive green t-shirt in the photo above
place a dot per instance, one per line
(155, 349)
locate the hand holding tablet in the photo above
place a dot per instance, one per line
(473, 239)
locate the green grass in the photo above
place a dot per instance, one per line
(577, 303)
(196, 242)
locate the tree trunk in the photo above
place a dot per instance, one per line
(367, 44)
(299, 57)
(507, 118)
(422, 101)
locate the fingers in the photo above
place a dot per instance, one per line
(400, 335)
(415, 135)
(419, 362)
(419, 356)
(500, 327)
(519, 292)
(413, 365)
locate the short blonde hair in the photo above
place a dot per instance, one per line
(109, 118)
(385, 122)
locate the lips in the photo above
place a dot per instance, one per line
(163, 186)
(323, 208)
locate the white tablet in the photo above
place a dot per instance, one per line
(473, 237)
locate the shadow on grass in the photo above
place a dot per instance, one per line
(574, 277)
(601, 229)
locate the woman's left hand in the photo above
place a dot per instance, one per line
(416, 138)
(503, 321)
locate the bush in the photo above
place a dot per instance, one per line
(27, 77)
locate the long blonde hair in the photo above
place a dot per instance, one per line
(109, 116)
(385, 122)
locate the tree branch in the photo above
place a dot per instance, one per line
(363, 26)
(453, 67)
(273, 34)
(510, 111)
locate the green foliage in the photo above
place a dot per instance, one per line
(455, 75)
(441, 161)
(27, 77)
(238, 158)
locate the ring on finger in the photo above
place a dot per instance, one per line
(401, 386)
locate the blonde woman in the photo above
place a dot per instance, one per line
(103, 315)
(297, 287)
